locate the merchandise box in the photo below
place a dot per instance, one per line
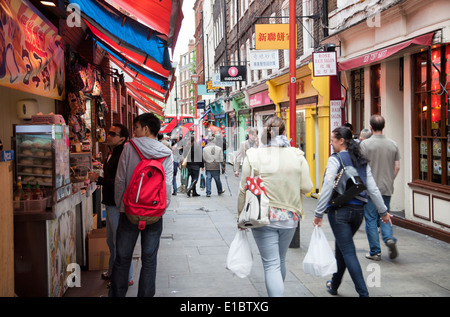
(98, 251)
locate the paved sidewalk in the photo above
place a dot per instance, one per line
(199, 230)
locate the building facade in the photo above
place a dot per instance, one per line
(394, 60)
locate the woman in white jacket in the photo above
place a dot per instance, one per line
(285, 173)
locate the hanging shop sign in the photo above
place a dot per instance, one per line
(31, 51)
(233, 73)
(210, 87)
(264, 59)
(324, 64)
(273, 36)
(216, 81)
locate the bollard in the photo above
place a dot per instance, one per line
(295, 243)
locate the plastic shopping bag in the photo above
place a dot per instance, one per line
(319, 259)
(240, 258)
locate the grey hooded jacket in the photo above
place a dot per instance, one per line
(129, 159)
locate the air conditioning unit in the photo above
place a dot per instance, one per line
(26, 108)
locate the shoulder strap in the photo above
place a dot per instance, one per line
(137, 150)
(340, 159)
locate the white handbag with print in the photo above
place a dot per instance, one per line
(256, 208)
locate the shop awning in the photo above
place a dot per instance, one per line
(146, 90)
(205, 113)
(145, 102)
(163, 16)
(133, 56)
(158, 80)
(128, 32)
(381, 54)
(145, 98)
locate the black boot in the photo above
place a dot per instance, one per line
(194, 191)
(190, 188)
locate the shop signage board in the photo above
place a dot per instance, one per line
(335, 116)
(324, 64)
(259, 99)
(272, 36)
(32, 51)
(233, 73)
(264, 59)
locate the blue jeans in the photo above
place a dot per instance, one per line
(127, 234)
(209, 176)
(372, 223)
(273, 245)
(112, 221)
(344, 222)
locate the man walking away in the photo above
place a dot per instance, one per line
(251, 142)
(384, 160)
(212, 157)
(146, 127)
(117, 136)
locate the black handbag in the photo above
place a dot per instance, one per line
(347, 185)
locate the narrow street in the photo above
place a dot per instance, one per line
(198, 232)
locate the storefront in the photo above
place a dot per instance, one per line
(404, 77)
(243, 119)
(312, 125)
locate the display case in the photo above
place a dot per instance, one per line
(42, 157)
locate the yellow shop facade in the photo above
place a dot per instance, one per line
(312, 117)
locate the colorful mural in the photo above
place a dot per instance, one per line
(31, 51)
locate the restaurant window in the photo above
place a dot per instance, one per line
(431, 134)
(357, 99)
(375, 104)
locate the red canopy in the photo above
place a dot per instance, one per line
(143, 61)
(379, 55)
(163, 16)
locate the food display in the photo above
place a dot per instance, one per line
(42, 158)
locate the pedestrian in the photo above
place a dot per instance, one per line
(285, 173)
(345, 220)
(146, 127)
(176, 162)
(117, 137)
(364, 134)
(251, 142)
(212, 157)
(193, 152)
(384, 160)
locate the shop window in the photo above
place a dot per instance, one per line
(357, 99)
(375, 75)
(431, 134)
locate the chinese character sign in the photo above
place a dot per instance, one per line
(324, 64)
(272, 37)
(264, 59)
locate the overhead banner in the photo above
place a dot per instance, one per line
(233, 73)
(31, 51)
(273, 36)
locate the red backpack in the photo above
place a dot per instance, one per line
(145, 197)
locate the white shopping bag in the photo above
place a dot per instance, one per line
(319, 259)
(240, 258)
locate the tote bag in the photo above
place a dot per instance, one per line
(256, 208)
(319, 260)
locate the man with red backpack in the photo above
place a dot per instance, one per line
(143, 188)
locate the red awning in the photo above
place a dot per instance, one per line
(145, 90)
(132, 56)
(379, 55)
(163, 16)
(137, 76)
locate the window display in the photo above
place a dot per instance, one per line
(431, 105)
